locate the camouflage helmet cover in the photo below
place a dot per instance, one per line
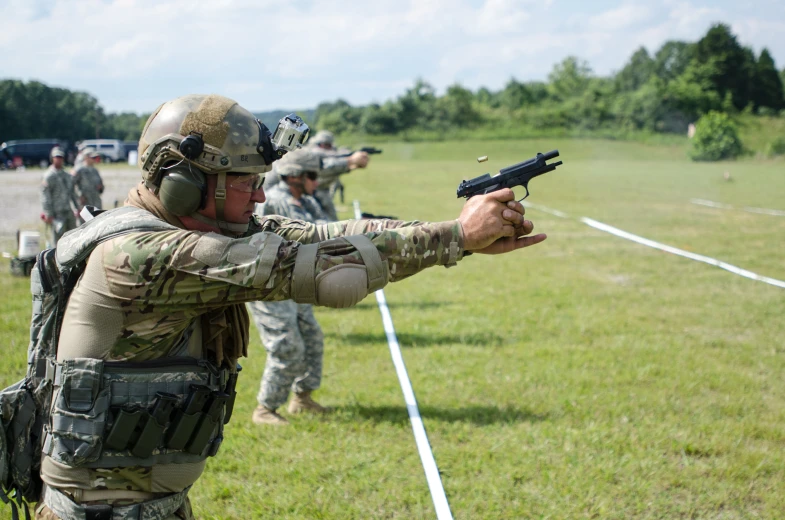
(323, 137)
(231, 136)
(297, 163)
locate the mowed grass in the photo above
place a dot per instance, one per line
(587, 377)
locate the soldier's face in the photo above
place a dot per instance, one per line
(239, 205)
(310, 183)
(57, 162)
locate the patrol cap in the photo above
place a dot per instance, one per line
(297, 163)
(93, 154)
(57, 152)
(323, 137)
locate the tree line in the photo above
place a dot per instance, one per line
(663, 92)
(31, 110)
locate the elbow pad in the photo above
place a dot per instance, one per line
(341, 285)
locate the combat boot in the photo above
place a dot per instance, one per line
(303, 402)
(264, 415)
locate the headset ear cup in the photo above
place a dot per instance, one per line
(183, 191)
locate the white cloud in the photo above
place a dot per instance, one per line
(270, 54)
(619, 18)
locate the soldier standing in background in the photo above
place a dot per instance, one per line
(290, 333)
(88, 183)
(332, 167)
(57, 196)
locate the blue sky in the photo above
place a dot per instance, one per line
(134, 54)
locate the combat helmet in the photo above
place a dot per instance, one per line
(197, 135)
(297, 163)
(323, 137)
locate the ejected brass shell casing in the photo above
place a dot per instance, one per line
(482, 159)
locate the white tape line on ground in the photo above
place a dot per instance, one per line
(546, 210)
(711, 203)
(765, 211)
(721, 205)
(420, 437)
(700, 258)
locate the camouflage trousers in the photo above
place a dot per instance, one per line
(42, 512)
(295, 347)
(325, 199)
(62, 223)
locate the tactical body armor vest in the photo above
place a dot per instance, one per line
(90, 413)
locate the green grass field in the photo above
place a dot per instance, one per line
(587, 377)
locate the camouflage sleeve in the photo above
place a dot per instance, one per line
(183, 268)
(46, 197)
(332, 168)
(307, 233)
(72, 193)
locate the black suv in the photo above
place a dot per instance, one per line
(33, 152)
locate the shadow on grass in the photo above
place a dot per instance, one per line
(479, 415)
(370, 303)
(485, 339)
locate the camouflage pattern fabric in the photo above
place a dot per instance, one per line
(43, 512)
(89, 186)
(332, 168)
(290, 333)
(55, 505)
(57, 196)
(325, 199)
(165, 280)
(295, 348)
(158, 283)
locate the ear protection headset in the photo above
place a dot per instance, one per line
(183, 188)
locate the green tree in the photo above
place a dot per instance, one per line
(456, 107)
(672, 59)
(636, 72)
(378, 119)
(716, 138)
(487, 98)
(514, 95)
(734, 66)
(767, 88)
(569, 78)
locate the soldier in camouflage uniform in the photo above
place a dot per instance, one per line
(57, 196)
(290, 333)
(88, 183)
(173, 292)
(332, 168)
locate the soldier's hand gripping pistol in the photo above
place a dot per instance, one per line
(516, 175)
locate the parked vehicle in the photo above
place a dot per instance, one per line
(111, 150)
(33, 152)
(130, 146)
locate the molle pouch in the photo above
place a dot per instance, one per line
(79, 412)
(210, 419)
(125, 422)
(157, 419)
(187, 417)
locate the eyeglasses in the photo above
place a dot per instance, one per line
(247, 183)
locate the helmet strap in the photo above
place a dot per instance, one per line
(220, 219)
(220, 199)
